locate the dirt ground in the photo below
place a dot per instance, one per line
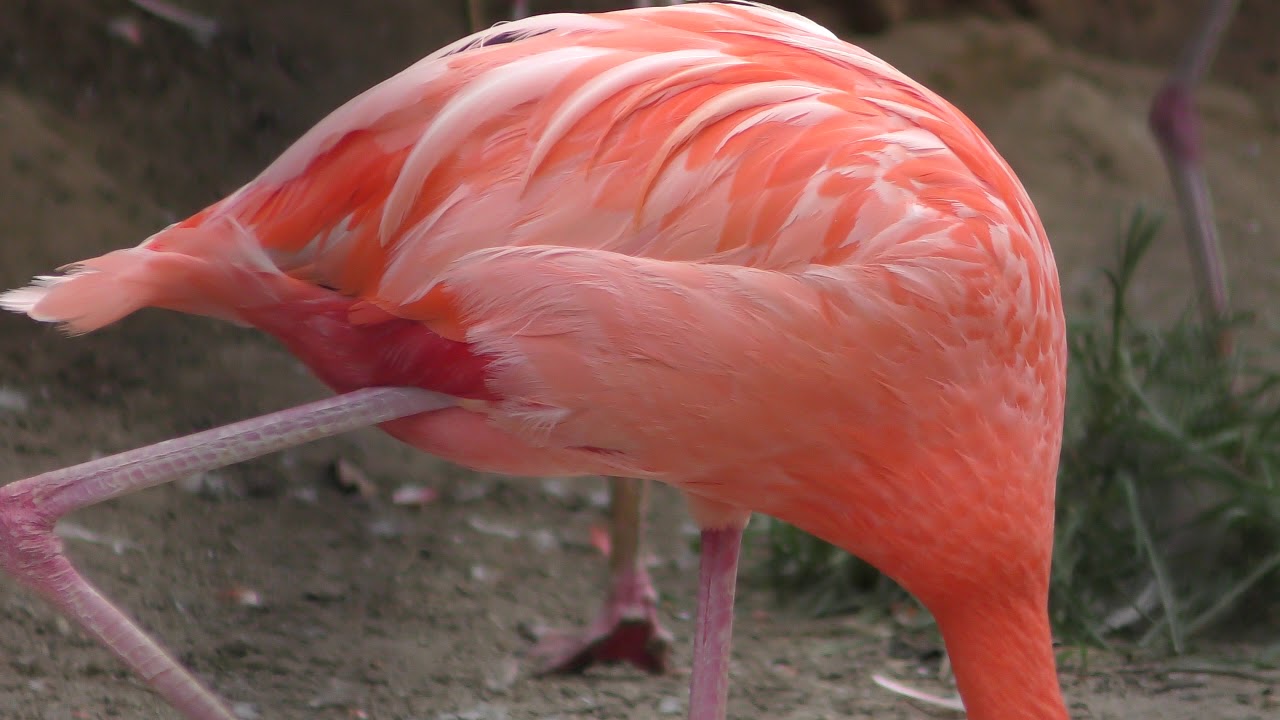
(381, 611)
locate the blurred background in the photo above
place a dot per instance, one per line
(300, 589)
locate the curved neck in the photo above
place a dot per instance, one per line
(1001, 650)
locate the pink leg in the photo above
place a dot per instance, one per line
(1176, 126)
(713, 633)
(627, 627)
(30, 552)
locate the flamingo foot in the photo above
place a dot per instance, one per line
(626, 630)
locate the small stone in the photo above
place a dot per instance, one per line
(503, 675)
(599, 498)
(14, 401)
(544, 540)
(244, 596)
(488, 527)
(307, 495)
(210, 486)
(385, 528)
(416, 495)
(556, 488)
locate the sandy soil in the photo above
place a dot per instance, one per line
(372, 610)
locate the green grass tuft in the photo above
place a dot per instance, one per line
(1168, 516)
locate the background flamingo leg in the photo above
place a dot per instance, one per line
(626, 629)
(29, 509)
(1176, 125)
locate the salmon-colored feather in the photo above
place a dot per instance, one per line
(710, 244)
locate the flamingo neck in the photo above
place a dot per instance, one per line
(1001, 650)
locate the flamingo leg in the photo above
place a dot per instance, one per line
(713, 631)
(626, 628)
(1176, 125)
(29, 509)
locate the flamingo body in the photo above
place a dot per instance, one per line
(709, 244)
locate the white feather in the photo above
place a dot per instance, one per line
(24, 300)
(800, 112)
(916, 140)
(608, 84)
(490, 94)
(722, 106)
(910, 112)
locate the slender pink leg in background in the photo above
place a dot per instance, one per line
(1176, 126)
(31, 553)
(627, 627)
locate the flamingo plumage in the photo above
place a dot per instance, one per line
(710, 245)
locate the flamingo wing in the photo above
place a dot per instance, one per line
(733, 134)
(650, 220)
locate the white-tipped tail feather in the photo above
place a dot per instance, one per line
(89, 312)
(212, 269)
(24, 300)
(90, 295)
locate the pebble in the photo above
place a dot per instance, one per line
(13, 400)
(210, 486)
(670, 706)
(385, 528)
(503, 675)
(414, 495)
(543, 540)
(489, 527)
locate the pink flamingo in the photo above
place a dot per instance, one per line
(711, 245)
